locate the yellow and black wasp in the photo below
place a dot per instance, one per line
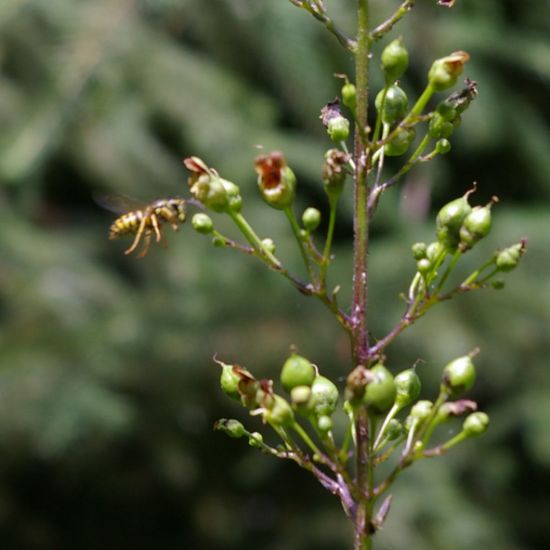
(145, 220)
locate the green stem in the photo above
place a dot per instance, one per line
(449, 269)
(360, 342)
(297, 234)
(328, 243)
(308, 441)
(420, 104)
(387, 25)
(254, 240)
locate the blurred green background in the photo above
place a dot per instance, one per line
(108, 392)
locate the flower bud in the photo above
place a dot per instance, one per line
(440, 128)
(446, 110)
(422, 410)
(232, 427)
(400, 142)
(508, 259)
(476, 424)
(380, 391)
(256, 440)
(276, 180)
(449, 221)
(324, 423)
(334, 172)
(498, 284)
(459, 375)
(475, 226)
(394, 60)
(394, 429)
(442, 146)
(419, 250)
(280, 413)
(407, 387)
(434, 250)
(297, 371)
(445, 71)
(202, 223)
(338, 129)
(324, 396)
(424, 266)
(229, 381)
(218, 242)
(269, 245)
(349, 95)
(393, 105)
(300, 395)
(311, 218)
(208, 188)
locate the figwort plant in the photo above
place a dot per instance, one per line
(386, 421)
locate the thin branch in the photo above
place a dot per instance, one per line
(317, 9)
(387, 25)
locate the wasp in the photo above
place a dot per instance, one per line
(145, 221)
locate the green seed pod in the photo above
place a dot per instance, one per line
(498, 284)
(276, 181)
(297, 371)
(349, 95)
(334, 172)
(419, 250)
(459, 375)
(208, 188)
(324, 396)
(380, 392)
(445, 71)
(407, 386)
(202, 223)
(394, 429)
(394, 60)
(476, 424)
(280, 414)
(446, 110)
(229, 382)
(394, 106)
(475, 226)
(442, 146)
(424, 266)
(449, 221)
(422, 410)
(232, 427)
(300, 395)
(400, 142)
(269, 245)
(256, 440)
(508, 259)
(434, 250)
(234, 199)
(440, 128)
(338, 129)
(324, 423)
(311, 218)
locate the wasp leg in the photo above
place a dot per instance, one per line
(139, 233)
(155, 223)
(146, 244)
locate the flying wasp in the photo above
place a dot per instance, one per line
(145, 221)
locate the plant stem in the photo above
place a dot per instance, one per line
(296, 230)
(360, 216)
(253, 239)
(360, 341)
(328, 242)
